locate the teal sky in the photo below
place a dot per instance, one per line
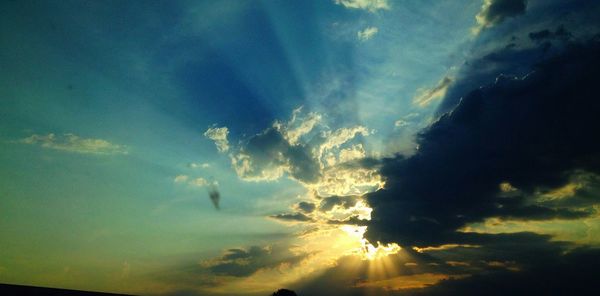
(117, 118)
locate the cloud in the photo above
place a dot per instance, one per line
(465, 270)
(291, 217)
(307, 150)
(406, 282)
(401, 123)
(533, 133)
(367, 33)
(199, 182)
(543, 35)
(195, 165)
(298, 125)
(328, 203)
(569, 273)
(425, 97)
(267, 156)
(306, 207)
(370, 5)
(334, 139)
(241, 262)
(73, 143)
(180, 179)
(219, 136)
(494, 12)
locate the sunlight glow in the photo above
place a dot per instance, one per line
(367, 250)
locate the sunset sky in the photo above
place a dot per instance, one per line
(331, 147)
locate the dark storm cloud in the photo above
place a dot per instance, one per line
(532, 132)
(510, 60)
(559, 33)
(509, 50)
(496, 11)
(572, 273)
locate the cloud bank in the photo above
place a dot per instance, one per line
(532, 133)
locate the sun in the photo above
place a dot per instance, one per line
(368, 251)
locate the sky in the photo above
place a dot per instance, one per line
(332, 147)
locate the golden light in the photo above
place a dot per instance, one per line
(367, 251)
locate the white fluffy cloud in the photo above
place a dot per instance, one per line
(370, 5)
(73, 143)
(219, 136)
(306, 149)
(367, 33)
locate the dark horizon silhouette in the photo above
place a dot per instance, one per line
(284, 292)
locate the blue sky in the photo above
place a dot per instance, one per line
(106, 108)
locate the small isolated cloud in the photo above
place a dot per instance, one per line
(405, 120)
(199, 182)
(219, 136)
(180, 179)
(367, 33)
(401, 123)
(370, 5)
(73, 143)
(195, 165)
(494, 12)
(425, 97)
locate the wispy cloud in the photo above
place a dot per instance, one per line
(72, 143)
(195, 165)
(425, 97)
(367, 33)
(370, 5)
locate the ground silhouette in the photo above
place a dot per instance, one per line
(284, 292)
